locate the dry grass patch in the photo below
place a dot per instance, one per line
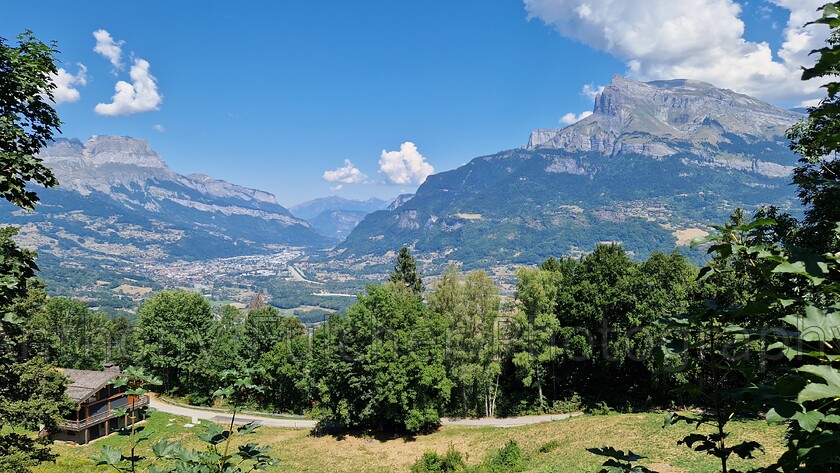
(298, 450)
(685, 237)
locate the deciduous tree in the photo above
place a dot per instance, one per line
(175, 332)
(383, 365)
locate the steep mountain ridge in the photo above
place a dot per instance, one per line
(334, 216)
(662, 118)
(119, 205)
(654, 162)
(313, 208)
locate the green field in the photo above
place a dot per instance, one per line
(300, 451)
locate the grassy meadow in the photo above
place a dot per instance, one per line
(298, 450)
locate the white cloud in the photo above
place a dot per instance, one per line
(159, 128)
(336, 188)
(406, 166)
(693, 39)
(591, 90)
(109, 49)
(141, 95)
(67, 84)
(348, 174)
(571, 118)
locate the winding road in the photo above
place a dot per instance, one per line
(223, 417)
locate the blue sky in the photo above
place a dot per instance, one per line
(281, 95)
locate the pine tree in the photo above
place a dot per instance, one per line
(405, 272)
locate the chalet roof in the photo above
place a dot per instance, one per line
(85, 383)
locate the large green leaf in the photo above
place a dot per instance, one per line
(108, 456)
(817, 324)
(809, 421)
(817, 391)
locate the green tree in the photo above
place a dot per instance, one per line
(537, 324)
(33, 392)
(817, 140)
(264, 328)
(807, 396)
(382, 365)
(28, 120)
(226, 342)
(474, 353)
(76, 336)
(285, 375)
(609, 309)
(121, 342)
(175, 333)
(405, 272)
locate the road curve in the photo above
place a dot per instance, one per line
(215, 416)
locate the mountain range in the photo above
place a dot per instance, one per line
(334, 216)
(652, 167)
(119, 205)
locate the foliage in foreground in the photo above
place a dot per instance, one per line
(31, 391)
(795, 277)
(217, 456)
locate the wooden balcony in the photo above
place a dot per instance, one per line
(78, 425)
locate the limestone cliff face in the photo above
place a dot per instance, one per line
(122, 166)
(131, 202)
(653, 159)
(663, 118)
(105, 162)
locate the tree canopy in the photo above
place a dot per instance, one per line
(28, 119)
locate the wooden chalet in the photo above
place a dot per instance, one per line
(97, 402)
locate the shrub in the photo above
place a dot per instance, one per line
(601, 409)
(508, 459)
(565, 406)
(432, 462)
(549, 446)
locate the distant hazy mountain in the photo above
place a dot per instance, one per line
(334, 217)
(119, 201)
(401, 199)
(313, 208)
(653, 165)
(337, 223)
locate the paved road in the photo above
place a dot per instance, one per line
(297, 275)
(215, 416)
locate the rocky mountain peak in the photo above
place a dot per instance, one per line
(108, 164)
(104, 162)
(101, 150)
(629, 116)
(223, 189)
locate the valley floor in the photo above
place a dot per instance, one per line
(298, 450)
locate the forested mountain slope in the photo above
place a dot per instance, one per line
(652, 166)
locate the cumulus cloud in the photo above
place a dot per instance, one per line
(159, 128)
(571, 118)
(66, 84)
(336, 188)
(406, 166)
(109, 49)
(693, 39)
(141, 95)
(590, 91)
(347, 174)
